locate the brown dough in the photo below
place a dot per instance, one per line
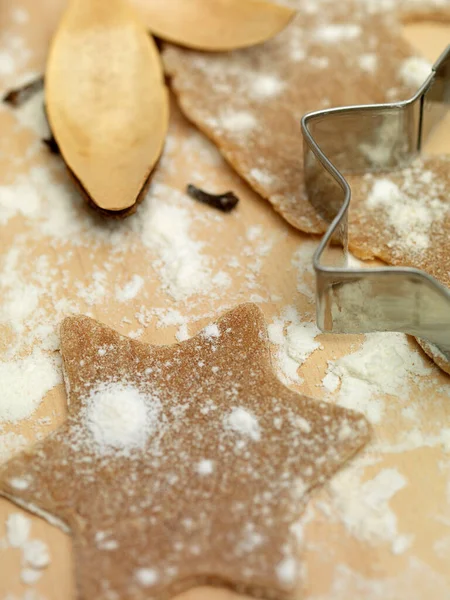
(151, 509)
(250, 102)
(408, 222)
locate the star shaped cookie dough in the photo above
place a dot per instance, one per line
(181, 465)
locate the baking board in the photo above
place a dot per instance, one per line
(337, 565)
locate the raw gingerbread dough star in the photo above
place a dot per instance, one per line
(181, 465)
(250, 102)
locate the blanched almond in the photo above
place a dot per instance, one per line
(214, 25)
(106, 100)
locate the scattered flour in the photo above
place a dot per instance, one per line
(170, 317)
(183, 268)
(18, 529)
(35, 553)
(14, 54)
(364, 509)
(17, 198)
(19, 303)
(120, 417)
(414, 71)
(303, 262)
(383, 365)
(20, 15)
(287, 571)
(296, 342)
(10, 444)
(7, 65)
(205, 467)
(130, 290)
(332, 34)
(331, 382)
(301, 341)
(211, 331)
(416, 580)
(261, 177)
(147, 577)
(368, 62)
(25, 383)
(320, 62)
(410, 215)
(237, 122)
(30, 576)
(243, 422)
(183, 333)
(19, 483)
(266, 86)
(103, 543)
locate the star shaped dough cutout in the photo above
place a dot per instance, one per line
(181, 465)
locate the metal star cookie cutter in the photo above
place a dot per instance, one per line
(365, 138)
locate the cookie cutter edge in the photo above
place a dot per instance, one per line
(403, 299)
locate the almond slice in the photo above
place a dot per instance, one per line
(214, 25)
(106, 100)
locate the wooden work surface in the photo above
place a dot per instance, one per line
(338, 564)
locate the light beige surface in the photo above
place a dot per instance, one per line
(338, 565)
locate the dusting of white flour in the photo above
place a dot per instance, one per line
(243, 422)
(35, 555)
(182, 267)
(296, 341)
(382, 366)
(333, 33)
(25, 383)
(363, 506)
(414, 71)
(120, 417)
(130, 290)
(410, 213)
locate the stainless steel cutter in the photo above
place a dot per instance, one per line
(386, 298)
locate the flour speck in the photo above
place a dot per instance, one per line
(120, 417)
(211, 331)
(243, 422)
(238, 122)
(414, 71)
(287, 570)
(334, 33)
(25, 382)
(36, 554)
(205, 467)
(266, 86)
(17, 529)
(147, 577)
(130, 290)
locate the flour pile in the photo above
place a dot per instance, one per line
(35, 554)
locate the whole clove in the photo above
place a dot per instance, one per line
(51, 144)
(224, 202)
(18, 96)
